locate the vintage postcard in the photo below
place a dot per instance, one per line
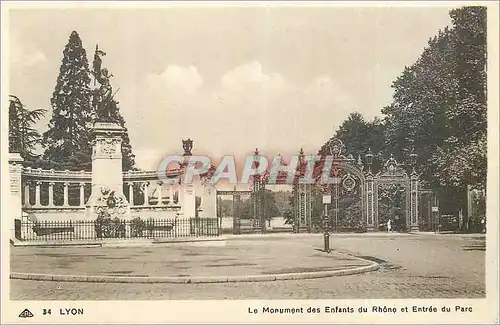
(252, 162)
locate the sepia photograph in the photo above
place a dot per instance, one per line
(248, 152)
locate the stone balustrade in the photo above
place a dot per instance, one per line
(153, 192)
(58, 175)
(49, 193)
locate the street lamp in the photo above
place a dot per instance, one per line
(327, 199)
(369, 159)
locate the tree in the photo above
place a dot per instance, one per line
(439, 107)
(23, 137)
(68, 140)
(359, 135)
(270, 208)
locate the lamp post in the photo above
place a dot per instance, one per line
(327, 199)
(259, 194)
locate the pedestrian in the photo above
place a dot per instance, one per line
(389, 228)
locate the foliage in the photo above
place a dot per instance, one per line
(68, 140)
(23, 137)
(439, 105)
(391, 204)
(439, 109)
(359, 136)
(225, 208)
(270, 208)
(138, 225)
(107, 227)
(69, 137)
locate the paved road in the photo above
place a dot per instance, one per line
(413, 266)
(235, 258)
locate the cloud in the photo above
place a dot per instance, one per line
(175, 77)
(23, 54)
(326, 93)
(248, 107)
(250, 75)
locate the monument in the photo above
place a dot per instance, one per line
(107, 180)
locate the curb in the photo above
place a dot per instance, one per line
(149, 242)
(199, 279)
(116, 243)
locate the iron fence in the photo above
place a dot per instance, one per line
(115, 229)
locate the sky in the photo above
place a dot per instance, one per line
(230, 78)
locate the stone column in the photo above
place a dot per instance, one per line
(82, 194)
(14, 204)
(414, 222)
(27, 193)
(66, 195)
(370, 207)
(131, 193)
(158, 192)
(37, 193)
(51, 194)
(146, 193)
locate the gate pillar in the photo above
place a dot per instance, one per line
(371, 223)
(15, 202)
(414, 222)
(302, 208)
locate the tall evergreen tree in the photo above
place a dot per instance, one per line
(68, 138)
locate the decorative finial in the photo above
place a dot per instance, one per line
(187, 145)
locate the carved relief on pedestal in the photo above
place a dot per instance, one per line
(115, 206)
(107, 146)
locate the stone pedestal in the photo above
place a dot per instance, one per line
(209, 201)
(188, 202)
(14, 202)
(107, 177)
